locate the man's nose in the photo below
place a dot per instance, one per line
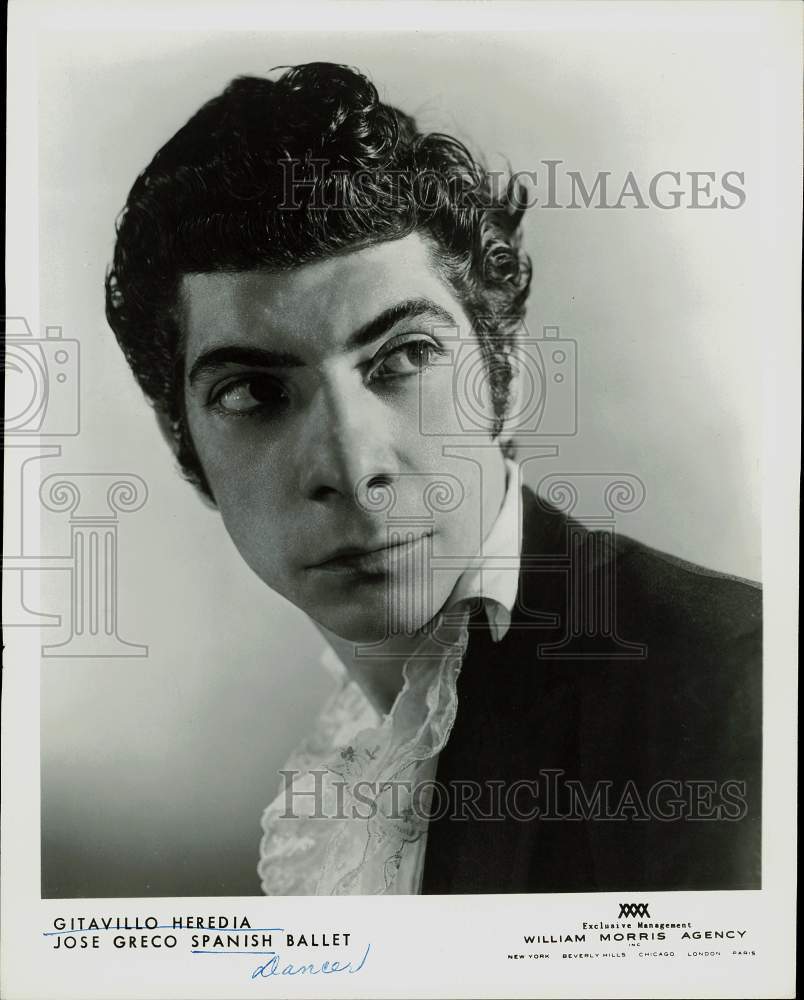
(346, 444)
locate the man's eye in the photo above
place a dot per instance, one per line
(407, 359)
(255, 393)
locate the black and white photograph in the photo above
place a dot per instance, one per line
(401, 498)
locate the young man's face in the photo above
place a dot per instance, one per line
(320, 408)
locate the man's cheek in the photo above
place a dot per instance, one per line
(254, 529)
(263, 555)
(247, 485)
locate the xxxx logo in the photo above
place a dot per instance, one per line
(634, 910)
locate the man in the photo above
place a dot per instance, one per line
(298, 277)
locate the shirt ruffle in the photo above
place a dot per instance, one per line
(362, 792)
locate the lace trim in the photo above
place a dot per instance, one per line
(369, 830)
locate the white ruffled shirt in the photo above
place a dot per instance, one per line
(371, 838)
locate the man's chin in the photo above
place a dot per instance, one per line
(371, 621)
(372, 611)
(359, 627)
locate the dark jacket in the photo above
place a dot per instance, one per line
(638, 677)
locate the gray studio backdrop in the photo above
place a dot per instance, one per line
(155, 769)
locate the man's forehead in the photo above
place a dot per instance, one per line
(318, 303)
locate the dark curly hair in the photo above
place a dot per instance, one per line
(216, 197)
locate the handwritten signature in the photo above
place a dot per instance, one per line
(272, 967)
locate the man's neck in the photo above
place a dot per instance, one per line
(379, 674)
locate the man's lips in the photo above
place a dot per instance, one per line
(372, 558)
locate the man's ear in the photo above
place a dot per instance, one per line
(165, 425)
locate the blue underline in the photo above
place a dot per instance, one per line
(170, 927)
(200, 951)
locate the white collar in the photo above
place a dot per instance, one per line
(495, 580)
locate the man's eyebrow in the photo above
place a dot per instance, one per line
(388, 318)
(209, 362)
